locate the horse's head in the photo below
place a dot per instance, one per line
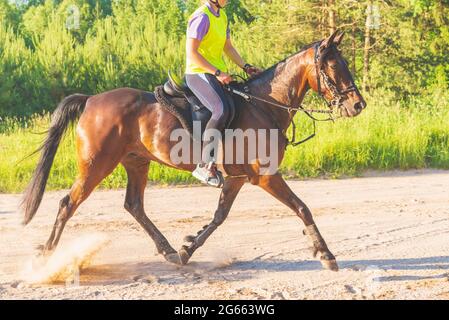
(331, 78)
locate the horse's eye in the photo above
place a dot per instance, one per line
(333, 66)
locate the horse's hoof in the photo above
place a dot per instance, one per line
(184, 256)
(42, 251)
(173, 258)
(190, 239)
(330, 265)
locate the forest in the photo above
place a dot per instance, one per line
(397, 51)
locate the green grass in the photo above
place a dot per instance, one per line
(389, 134)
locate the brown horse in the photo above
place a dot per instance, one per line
(130, 127)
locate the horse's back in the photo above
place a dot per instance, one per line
(123, 106)
(119, 100)
(111, 119)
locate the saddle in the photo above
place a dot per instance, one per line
(179, 100)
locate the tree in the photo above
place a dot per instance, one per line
(367, 47)
(8, 13)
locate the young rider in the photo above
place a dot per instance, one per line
(208, 37)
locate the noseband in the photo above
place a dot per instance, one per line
(337, 95)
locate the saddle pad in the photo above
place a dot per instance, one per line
(177, 106)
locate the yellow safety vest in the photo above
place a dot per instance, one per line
(212, 45)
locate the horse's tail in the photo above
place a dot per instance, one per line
(67, 112)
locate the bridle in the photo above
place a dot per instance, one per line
(337, 95)
(336, 101)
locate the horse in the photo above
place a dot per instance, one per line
(129, 127)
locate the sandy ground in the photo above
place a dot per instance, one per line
(390, 233)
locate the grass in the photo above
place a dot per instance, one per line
(389, 134)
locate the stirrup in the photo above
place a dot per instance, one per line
(201, 172)
(216, 184)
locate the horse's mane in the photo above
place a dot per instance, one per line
(271, 71)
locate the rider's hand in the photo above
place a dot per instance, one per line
(224, 78)
(253, 71)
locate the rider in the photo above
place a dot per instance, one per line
(208, 36)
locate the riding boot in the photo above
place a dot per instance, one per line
(207, 171)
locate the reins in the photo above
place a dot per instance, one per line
(249, 98)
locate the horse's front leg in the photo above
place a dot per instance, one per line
(276, 186)
(231, 188)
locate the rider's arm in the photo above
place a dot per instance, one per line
(196, 57)
(233, 54)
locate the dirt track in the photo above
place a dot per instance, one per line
(390, 234)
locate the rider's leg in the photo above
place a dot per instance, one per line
(210, 92)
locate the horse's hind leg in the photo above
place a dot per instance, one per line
(137, 170)
(92, 170)
(230, 190)
(81, 189)
(276, 186)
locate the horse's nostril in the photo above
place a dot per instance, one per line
(359, 106)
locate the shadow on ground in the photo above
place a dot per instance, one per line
(196, 272)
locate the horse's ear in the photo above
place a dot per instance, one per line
(328, 42)
(338, 38)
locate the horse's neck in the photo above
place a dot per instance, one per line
(288, 86)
